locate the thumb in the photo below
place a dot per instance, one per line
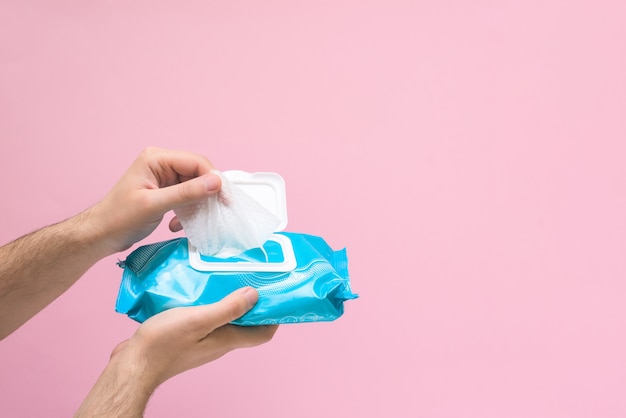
(190, 191)
(228, 309)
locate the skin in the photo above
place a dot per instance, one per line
(39, 267)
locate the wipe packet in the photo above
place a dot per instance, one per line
(299, 277)
(161, 276)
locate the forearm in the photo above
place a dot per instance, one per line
(122, 390)
(39, 267)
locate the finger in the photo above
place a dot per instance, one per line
(233, 306)
(235, 336)
(184, 163)
(175, 225)
(185, 193)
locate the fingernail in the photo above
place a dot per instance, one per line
(251, 295)
(212, 182)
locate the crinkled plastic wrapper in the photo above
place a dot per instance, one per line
(160, 276)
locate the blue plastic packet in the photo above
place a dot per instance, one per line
(161, 276)
(299, 277)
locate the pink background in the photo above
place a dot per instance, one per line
(469, 154)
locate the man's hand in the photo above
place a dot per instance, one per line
(37, 268)
(167, 344)
(158, 181)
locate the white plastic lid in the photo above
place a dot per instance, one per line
(268, 189)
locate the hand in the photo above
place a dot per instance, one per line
(180, 339)
(159, 180)
(35, 269)
(167, 344)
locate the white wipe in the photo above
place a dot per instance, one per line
(228, 223)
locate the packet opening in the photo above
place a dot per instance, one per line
(276, 255)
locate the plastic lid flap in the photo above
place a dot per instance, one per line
(267, 188)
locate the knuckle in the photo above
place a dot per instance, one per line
(145, 203)
(235, 308)
(150, 150)
(196, 320)
(146, 154)
(184, 191)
